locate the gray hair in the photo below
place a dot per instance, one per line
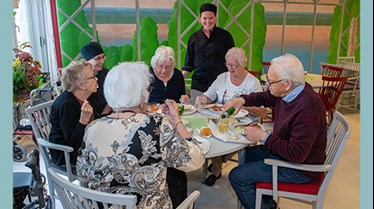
(73, 75)
(126, 85)
(288, 66)
(238, 54)
(162, 54)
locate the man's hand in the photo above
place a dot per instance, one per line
(236, 103)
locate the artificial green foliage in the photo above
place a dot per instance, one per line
(353, 7)
(259, 31)
(126, 53)
(148, 40)
(113, 53)
(71, 37)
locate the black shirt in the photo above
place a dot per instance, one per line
(97, 100)
(174, 89)
(206, 56)
(66, 128)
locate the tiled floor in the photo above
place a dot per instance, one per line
(342, 193)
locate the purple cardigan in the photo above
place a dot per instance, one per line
(300, 129)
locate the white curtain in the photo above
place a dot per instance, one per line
(34, 24)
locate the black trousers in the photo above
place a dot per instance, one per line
(177, 182)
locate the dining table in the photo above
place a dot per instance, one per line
(218, 147)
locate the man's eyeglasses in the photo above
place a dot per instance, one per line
(274, 82)
(100, 58)
(232, 65)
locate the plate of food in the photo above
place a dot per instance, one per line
(188, 109)
(221, 131)
(205, 132)
(239, 127)
(216, 109)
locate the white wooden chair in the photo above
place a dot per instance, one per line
(73, 196)
(41, 126)
(351, 90)
(314, 192)
(351, 59)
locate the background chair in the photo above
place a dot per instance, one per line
(269, 118)
(73, 196)
(41, 126)
(351, 89)
(314, 192)
(330, 93)
(265, 67)
(331, 70)
(339, 60)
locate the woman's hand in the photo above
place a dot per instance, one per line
(185, 99)
(170, 109)
(86, 113)
(236, 103)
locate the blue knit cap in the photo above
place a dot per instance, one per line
(91, 50)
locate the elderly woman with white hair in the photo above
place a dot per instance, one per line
(168, 81)
(129, 151)
(228, 85)
(71, 112)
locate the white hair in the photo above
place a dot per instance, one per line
(288, 66)
(238, 54)
(162, 54)
(126, 85)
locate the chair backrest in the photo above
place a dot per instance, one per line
(352, 71)
(73, 196)
(256, 74)
(337, 136)
(331, 70)
(331, 90)
(265, 67)
(345, 59)
(39, 119)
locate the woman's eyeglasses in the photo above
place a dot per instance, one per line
(100, 58)
(232, 65)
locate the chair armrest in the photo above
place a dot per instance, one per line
(189, 200)
(304, 167)
(50, 145)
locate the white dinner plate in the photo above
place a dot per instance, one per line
(203, 143)
(229, 136)
(189, 109)
(210, 112)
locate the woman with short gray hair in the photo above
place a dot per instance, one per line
(129, 151)
(71, 112)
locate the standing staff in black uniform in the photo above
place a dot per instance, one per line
(206, 51)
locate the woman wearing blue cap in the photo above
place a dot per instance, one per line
(94, 54)
(206, 51)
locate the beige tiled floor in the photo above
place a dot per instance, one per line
(342, 193)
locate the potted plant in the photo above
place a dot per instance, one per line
(26, 73)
